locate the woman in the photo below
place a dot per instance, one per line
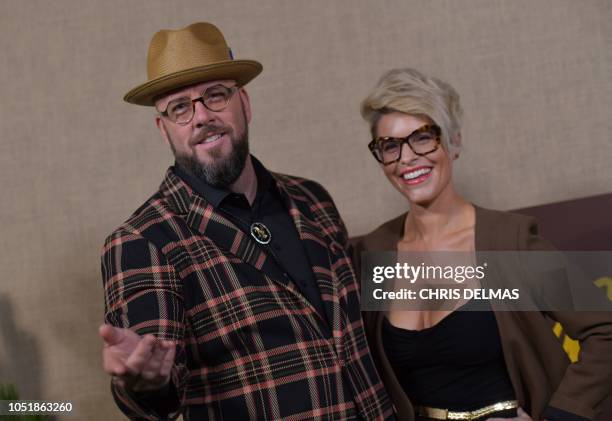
(496, 364)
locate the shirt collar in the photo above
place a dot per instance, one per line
(216, 195)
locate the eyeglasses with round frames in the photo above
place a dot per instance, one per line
(422, 141)
(214, 98)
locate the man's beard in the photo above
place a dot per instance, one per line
(221, 172)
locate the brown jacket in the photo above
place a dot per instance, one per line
(539, 369)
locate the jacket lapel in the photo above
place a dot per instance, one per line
(220, 231)
(202, 217)
(385, 238)
(489, 238)
(212, 224)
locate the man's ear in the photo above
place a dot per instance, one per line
(246, 103)
(162, 129)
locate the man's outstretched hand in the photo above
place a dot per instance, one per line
(139, 363)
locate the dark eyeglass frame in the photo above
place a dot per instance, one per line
(230, 90)
(375, 144)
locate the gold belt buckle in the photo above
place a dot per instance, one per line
(437, 413)
(445, 414)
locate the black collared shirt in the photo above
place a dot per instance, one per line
(268, 208)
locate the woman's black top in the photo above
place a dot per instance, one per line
(457, 364)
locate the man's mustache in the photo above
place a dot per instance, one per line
(209, 130)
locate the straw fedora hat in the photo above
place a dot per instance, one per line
(195, 54)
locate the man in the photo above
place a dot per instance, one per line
(229, 294)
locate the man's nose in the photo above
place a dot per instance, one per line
(201, 114)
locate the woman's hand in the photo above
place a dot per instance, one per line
(522, 416)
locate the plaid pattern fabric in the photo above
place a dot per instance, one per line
(249, 347)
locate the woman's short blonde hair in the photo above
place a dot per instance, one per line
(409, 91)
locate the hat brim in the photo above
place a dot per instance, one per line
(242, 71)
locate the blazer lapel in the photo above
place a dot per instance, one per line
(489, 238)
(212, 224)
(385, 238)
(202, 217)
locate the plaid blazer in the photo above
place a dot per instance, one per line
(249, 347)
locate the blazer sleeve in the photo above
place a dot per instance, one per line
(143, 293)
(588, 381)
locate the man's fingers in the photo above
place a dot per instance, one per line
(113, 359)
(161, 362)
(140, 363)
(119, 344)
(112, 364)
(141, 355)
(151, 369)
(110, 334)
(118, 336)
(168, 361)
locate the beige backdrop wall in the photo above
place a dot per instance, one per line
(535, 79)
